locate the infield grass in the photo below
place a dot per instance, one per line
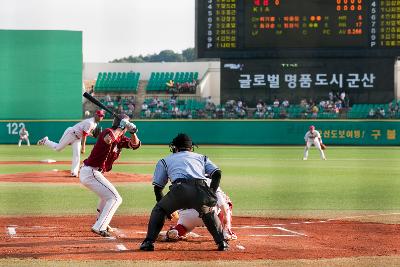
(261, 181)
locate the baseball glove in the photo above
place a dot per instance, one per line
(96, 131)
(323, 146)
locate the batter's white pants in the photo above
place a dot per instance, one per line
(69, 138)
(110, 199)
(316, 143)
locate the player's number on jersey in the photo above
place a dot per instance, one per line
(14, 127)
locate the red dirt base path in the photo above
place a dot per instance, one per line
(258, 238)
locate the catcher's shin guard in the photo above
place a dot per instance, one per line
(156, 223)
(213, 224)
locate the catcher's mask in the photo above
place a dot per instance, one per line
(182, 142)
(117, 120)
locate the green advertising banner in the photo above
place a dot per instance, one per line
(238, 132)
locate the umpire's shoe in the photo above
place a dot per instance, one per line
(147, 245)
(223, 246)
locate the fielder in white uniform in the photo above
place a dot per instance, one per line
(23, 135)
(76, 137)
(189, 219)
(313, 137)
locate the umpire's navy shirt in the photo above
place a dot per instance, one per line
(182, 165)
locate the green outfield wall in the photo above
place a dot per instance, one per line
(40, 74)
(238, 132)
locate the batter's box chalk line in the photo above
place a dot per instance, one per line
(280, 228)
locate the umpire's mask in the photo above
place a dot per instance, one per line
(182, 142)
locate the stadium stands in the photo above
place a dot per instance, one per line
(158, 81)
(117, 82)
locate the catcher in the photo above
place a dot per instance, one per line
(313, 137)
(188, 219)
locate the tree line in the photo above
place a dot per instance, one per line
(187, 55)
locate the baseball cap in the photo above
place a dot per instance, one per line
(312, 127)
(100, 113)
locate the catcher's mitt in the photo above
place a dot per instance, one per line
(323, 146)
(96, 131)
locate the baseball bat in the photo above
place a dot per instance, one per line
(99, 104)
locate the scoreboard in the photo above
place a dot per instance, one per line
(297, 28)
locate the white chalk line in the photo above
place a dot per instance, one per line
(240, 247)
(293, 233)
(121, 247)
(290, 231)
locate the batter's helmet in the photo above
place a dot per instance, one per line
(181, 142)
(117, 120)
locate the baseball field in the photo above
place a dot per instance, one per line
(342, 211)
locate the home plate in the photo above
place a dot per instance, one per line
(48, 160)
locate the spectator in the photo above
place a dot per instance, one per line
(381, 113)
(283, 113)
(371, 113)
(145, 106)
(285, 103)
(396, 109)
(147, 114)
(330, 95)
(314, 111)
(276, 103)
(153, 102)
(172, 100)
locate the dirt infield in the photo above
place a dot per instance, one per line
(258, 238)
(62, 176)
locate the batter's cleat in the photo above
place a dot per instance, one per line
(110, 229)
(229, 235)
(74, 175)
(42, 141)
(223, 246)
(147, 245)
(172, 235)
(103, 233)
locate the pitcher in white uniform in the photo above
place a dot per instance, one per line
(76, 137)
(313, 137)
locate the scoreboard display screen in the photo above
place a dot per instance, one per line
(297, 28)
(365, 80)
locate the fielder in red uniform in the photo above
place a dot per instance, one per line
(106, 150)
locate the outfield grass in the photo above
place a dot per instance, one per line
(262, 181)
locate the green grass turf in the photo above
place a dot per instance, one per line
(260, 180)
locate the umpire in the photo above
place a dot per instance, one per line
(186, 170)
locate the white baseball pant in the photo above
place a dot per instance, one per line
(69, 138)
(316, 143)
(110, 199)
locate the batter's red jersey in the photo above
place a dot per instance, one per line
(103, 155)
